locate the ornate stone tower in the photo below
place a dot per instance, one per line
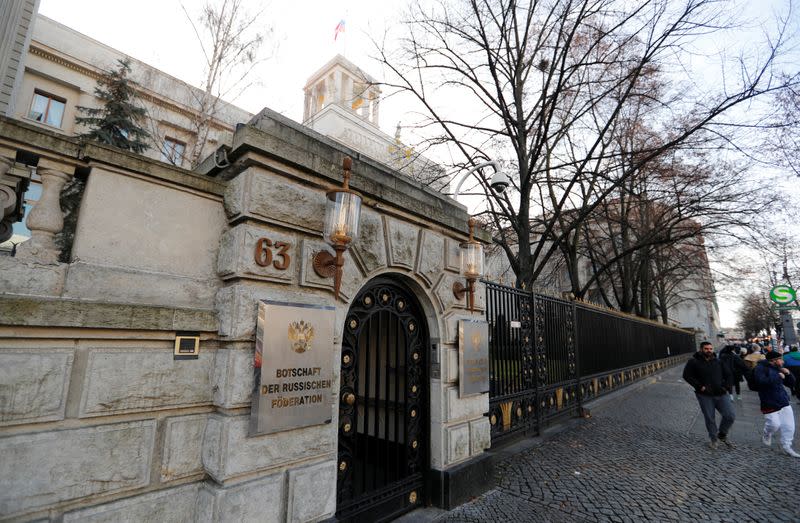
(343, 102)
(341, 84)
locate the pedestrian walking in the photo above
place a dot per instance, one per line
(791, 360)
(754, 355)
(730, 358)
(772, 378)
(711, 380)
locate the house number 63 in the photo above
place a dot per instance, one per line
(263, 254)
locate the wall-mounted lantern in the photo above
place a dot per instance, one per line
(342, 216)
(471, 266)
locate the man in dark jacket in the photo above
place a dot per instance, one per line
(729, 357)
(711, 380)
(772, 381)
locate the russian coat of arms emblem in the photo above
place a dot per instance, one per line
(476, 341)
(300, 336)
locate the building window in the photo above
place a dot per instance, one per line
(47, 108)
(172, 151)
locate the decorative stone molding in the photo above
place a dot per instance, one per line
(45, 220)
(144, 94)
(5, 165)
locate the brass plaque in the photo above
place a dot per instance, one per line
(473, 357)
(293, 367)
(186, 347)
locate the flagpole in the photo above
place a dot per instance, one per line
(341, 30)
(344, 38)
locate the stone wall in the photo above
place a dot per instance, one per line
(93, 414)
(98, 420)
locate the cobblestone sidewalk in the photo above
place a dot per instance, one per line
(643, 457)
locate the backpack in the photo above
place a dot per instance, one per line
(752, 383)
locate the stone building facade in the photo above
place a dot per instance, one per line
(63, 66)
(99, 421)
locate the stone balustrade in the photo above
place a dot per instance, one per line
(45, 220)
(8, 200)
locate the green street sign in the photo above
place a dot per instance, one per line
(782, 294)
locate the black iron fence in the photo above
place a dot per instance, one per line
(548, 355)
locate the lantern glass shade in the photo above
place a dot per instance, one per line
(342, 214)
(472, 260)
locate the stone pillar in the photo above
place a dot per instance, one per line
(307, 105)
(375, 106)
(8, 201)
(330, 88)
(319, 97)
(45, 220)
(347, 90)
(339, 84)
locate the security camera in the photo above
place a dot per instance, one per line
(500, 182)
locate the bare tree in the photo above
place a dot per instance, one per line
(549, 85)
(680, 274)
(230, 38)
(757, 316)
(783, 144)
(647, 245)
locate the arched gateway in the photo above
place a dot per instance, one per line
(383, 413)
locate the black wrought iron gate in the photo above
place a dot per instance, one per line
(383, 412)
(512, 379)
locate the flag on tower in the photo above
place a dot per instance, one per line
(339, 29)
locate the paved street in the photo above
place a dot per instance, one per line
(643, 456)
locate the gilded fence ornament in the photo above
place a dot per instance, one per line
(505, 408)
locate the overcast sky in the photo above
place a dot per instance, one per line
(157, 33)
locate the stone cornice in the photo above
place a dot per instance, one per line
(275, 136)
(144, 94)
(345, 64)
(62, 61)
